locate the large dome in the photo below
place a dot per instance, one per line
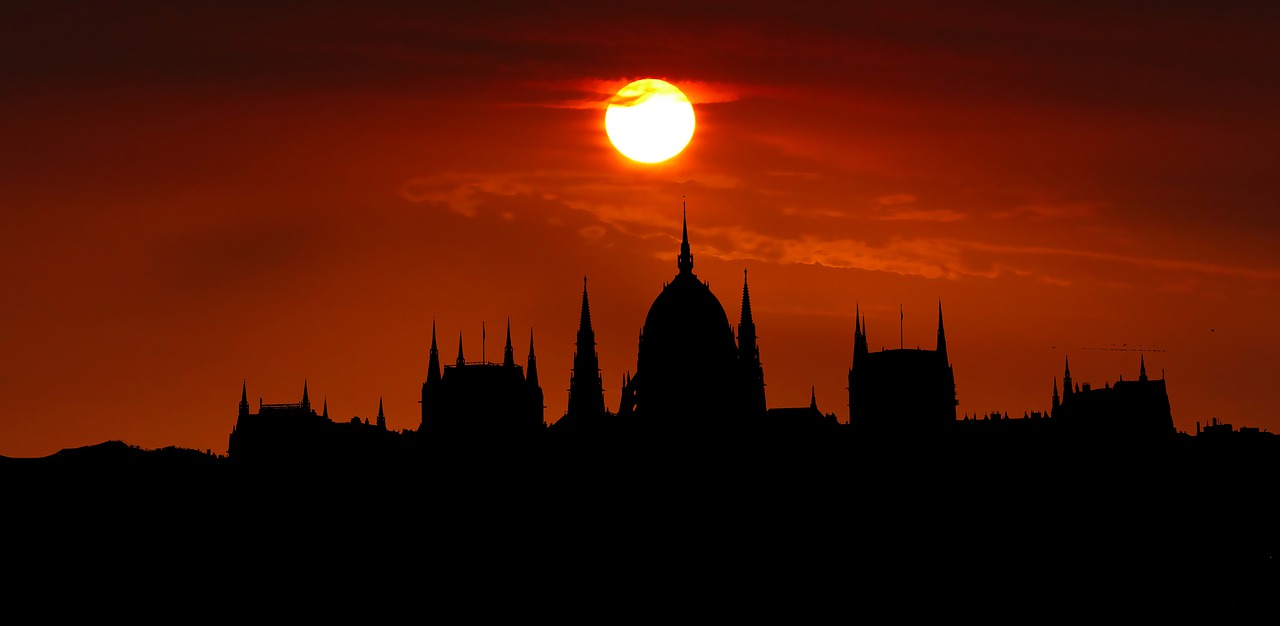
(688, 358)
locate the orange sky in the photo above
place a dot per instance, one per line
(200, 195)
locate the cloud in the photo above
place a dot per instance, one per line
(460, 193)
(896, 199)
(598, 93)
(1062, 210)
(897, 206)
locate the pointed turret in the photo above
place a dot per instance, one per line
(461, 361)
(1066, 377)
(586, 389)
(685, 261)
(508, 355)
(1056, 401)
(535, 390)
(431, 388)
(1142, 371)
(382, 418)
(306, 401)
(244, 398)
(752, 372)
(433, 362)
(942, 335)
(325, 413)
(813, 398)
(531, 369)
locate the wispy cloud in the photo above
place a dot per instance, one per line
(626, 207)
(1062, 210)
(597, 93)
(902, 207)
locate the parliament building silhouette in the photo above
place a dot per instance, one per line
(698, 377)
(695, 488)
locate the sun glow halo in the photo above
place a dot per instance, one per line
(649, 120)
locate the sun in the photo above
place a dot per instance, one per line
(649, 120)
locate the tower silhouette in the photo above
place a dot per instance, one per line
(586, 389)
(902, 391)
(751, 370)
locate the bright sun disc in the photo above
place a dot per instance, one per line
(649, 120)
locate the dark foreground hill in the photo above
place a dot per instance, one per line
(779, 524)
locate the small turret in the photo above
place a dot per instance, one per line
(244, 398)
(461, 361)
(508, 355)
(531, 369)
(942, 336)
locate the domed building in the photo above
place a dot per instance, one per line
(690, 371)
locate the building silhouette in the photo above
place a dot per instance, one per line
(1127, 410)
(900, 391)
(291, 432)
(481, 398)
(691, 373)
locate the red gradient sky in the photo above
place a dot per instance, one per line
(195, 194)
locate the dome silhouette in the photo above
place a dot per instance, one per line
(687, 367)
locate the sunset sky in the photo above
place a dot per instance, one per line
(198, 194)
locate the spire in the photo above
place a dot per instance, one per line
(461, 361)
(584, 320)
(942, 335)
(508, 355)
(531, 370)
(1066, 377)
(433, 363)
(325, 413)
(859, 332)
(751, 372)
(685, 260)
(813, 398)
(382, 418)
(586, 388)
(1056, 400)
(306, 402)
(1142, 372)
(244, 397)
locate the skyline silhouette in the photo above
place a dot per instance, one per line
(186, 209)
(696, 465)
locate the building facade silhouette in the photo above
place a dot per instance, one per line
(481, 398)
(1127, 410)
(900, 391)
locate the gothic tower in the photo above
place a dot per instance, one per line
(751, 370)
(586, 390)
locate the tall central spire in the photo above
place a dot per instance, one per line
(685, 261)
